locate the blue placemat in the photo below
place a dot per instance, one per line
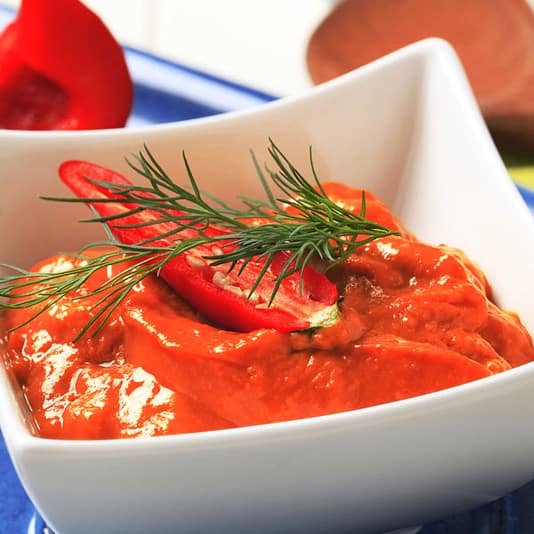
(16, 511)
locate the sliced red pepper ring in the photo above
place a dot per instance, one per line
(220, 295)
(61, 69)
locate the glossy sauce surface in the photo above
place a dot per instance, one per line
(415, 319)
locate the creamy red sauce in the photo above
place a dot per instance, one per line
(415, 319)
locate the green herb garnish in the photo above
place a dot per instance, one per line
(304, 223)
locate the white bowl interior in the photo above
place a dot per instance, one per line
(407, 128)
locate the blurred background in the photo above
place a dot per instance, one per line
(259, 44)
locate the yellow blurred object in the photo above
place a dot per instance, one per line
(523, 175)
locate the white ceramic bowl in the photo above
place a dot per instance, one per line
(406, 127)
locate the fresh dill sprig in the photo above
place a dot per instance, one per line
(42, 290)
(303, 222)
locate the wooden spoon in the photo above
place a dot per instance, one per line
(494, 39)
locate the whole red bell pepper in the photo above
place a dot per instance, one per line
(61, 69)
(304, 300)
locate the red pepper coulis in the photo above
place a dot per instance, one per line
(415, 319)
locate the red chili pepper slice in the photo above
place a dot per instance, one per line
(219, 295)
(61, 69)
